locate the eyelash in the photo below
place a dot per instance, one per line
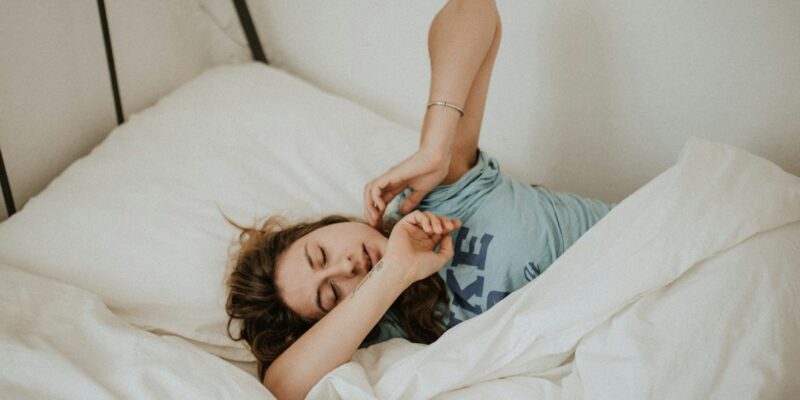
(324, 260)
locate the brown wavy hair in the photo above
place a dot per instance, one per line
(269, 326)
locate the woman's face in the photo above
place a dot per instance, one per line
(318, 270)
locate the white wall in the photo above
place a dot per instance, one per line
(55, 95)
(590, 97)
(56, 101)
(160, 45)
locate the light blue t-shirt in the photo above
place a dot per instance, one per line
(511, 232)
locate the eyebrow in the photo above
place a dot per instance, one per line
(311, 265)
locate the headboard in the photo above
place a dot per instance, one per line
(247, 25)
(594, 98)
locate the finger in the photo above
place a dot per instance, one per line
(368, 214)
(436, 223)
(446, 247)
(375, 195)
(388, 195)
(423, 222)
(453, 224)
(412, 201)
(426, 223)
(375, 214)
(447, 224)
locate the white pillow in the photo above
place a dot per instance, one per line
(137, 220)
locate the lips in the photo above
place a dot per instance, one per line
(374, 256)
(367, 259)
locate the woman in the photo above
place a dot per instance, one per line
(309, 295)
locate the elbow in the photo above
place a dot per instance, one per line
(487, 8)
(272, 383)
(284, 388)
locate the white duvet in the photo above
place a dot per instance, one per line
(688, 289)
(61, 342)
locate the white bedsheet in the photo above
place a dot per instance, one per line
(61, 342)
(689, 289)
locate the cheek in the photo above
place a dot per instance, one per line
(352, 284)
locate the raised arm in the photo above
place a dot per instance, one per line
(409, 257)
(463, 40)
(333, 339)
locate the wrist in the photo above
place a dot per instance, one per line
(396, 271)
(438, 130)
(437, 155)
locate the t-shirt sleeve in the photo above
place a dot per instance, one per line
(460, 199)
(388, 330)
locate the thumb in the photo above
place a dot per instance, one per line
(446, 247)
(412, 201)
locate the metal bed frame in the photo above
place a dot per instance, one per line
(252, 40)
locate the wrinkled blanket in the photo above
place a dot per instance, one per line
(689, 288)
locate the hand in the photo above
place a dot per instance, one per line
(412, 241)
(422, 171)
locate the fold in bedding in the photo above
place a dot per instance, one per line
(61, 342)
(689, 288)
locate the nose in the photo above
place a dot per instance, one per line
(345, 267)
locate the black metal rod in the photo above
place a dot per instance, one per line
(10, 207)
(252, 39)
(112, 69)
(250, 31)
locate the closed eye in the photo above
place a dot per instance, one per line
(335, 294)
(333, 288)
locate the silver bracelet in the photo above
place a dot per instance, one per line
(446, 104)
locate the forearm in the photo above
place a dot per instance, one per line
(459, 39)
(332, 341)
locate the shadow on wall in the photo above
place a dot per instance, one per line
(580, 101)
